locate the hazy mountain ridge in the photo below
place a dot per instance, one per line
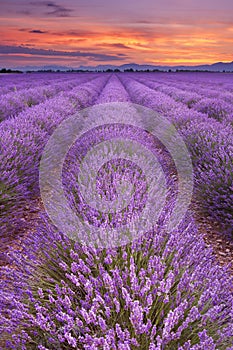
(215, 67)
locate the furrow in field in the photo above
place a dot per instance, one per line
(13, 103)
(209, 142)
(22, 140)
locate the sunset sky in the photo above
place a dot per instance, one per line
(93, 32)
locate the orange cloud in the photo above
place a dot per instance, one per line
(144, 42)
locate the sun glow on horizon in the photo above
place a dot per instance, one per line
(165, 38)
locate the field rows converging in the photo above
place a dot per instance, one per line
(105, 181)
(23, 138)
(12, 103)
(210, 141)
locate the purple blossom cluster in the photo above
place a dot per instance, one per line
(113, 92)
(161, 291)
(215, 101)
(14, 102)
(22, 141)
(211, 146)
(216, 108)
(17, 82)
(206, 128)
(109, 176)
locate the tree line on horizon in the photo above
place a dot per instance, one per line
(109, 70)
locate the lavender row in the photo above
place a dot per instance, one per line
(13, 103)
(214, 184)
(114, 91)
(178, 94)
(214, 83)
(23, 139)
(163, 291)
(216, 104)
(191, 83)
(117, 167)
(17, 82)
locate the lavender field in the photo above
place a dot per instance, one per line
(163, 289)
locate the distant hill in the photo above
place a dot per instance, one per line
(216, 67)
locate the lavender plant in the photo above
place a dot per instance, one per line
(22, 140)
(162, 291)
(13, 103)
(209, 142)
(212, 152)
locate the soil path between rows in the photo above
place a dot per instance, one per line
(210, 230)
